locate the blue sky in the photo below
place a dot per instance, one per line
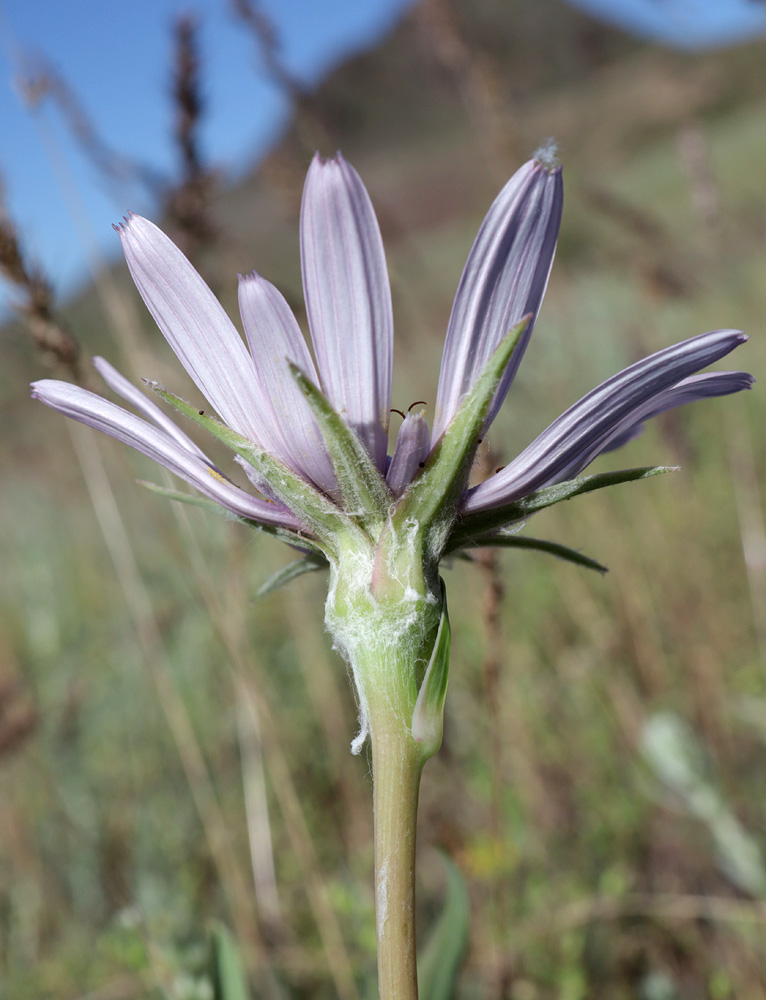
(115, 55)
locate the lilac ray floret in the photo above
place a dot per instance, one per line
(412, 446)
(707, 385)
(196, 326)
(263, 397)
(581, 433)
(93, 410)
(275, 339)
(348, 299)
(504, 279)
(133, 395)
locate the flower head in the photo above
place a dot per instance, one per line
(311, 433)
(292, 420)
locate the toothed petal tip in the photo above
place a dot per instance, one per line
(131, 221)
(333, 170)
(327, 161)
(251, 278)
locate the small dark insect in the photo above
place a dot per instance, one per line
(201, 413)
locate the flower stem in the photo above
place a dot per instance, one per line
(396, 765)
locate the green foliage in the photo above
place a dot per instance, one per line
(445, 950)
(508, 540)
(227, 971)
(474, 526)
(672, 751)
(286, 574)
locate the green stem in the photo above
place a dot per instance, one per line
(386, 617)
(396, 766)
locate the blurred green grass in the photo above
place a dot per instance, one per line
(586, 879)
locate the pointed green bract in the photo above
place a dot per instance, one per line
(308, 564)
(447, 944)
(473, 526)
(366, 498)
(311, 506)
(428, 714)
(435, 493)
(195, 500)
(514, 541)
(192, 499)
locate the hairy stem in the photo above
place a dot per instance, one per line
(396, 765)
(385, 614)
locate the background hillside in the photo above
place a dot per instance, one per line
(167, 740)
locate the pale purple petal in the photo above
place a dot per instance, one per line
(410, 453)
(196, 326)
(348, 299)
(119, 384)
(578, 435)
(275, 339)
(692, 389)
(504, 279)
(90, 409)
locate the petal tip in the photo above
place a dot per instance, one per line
(732, 336)
(547, 155)
(318, 164)
(330, 169)
(131, 221)
(121, 228)
(251, 278)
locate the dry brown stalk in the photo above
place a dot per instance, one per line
(310, 130)
(57, 346)
(478, 82)
(187, 203)
(18, 716)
